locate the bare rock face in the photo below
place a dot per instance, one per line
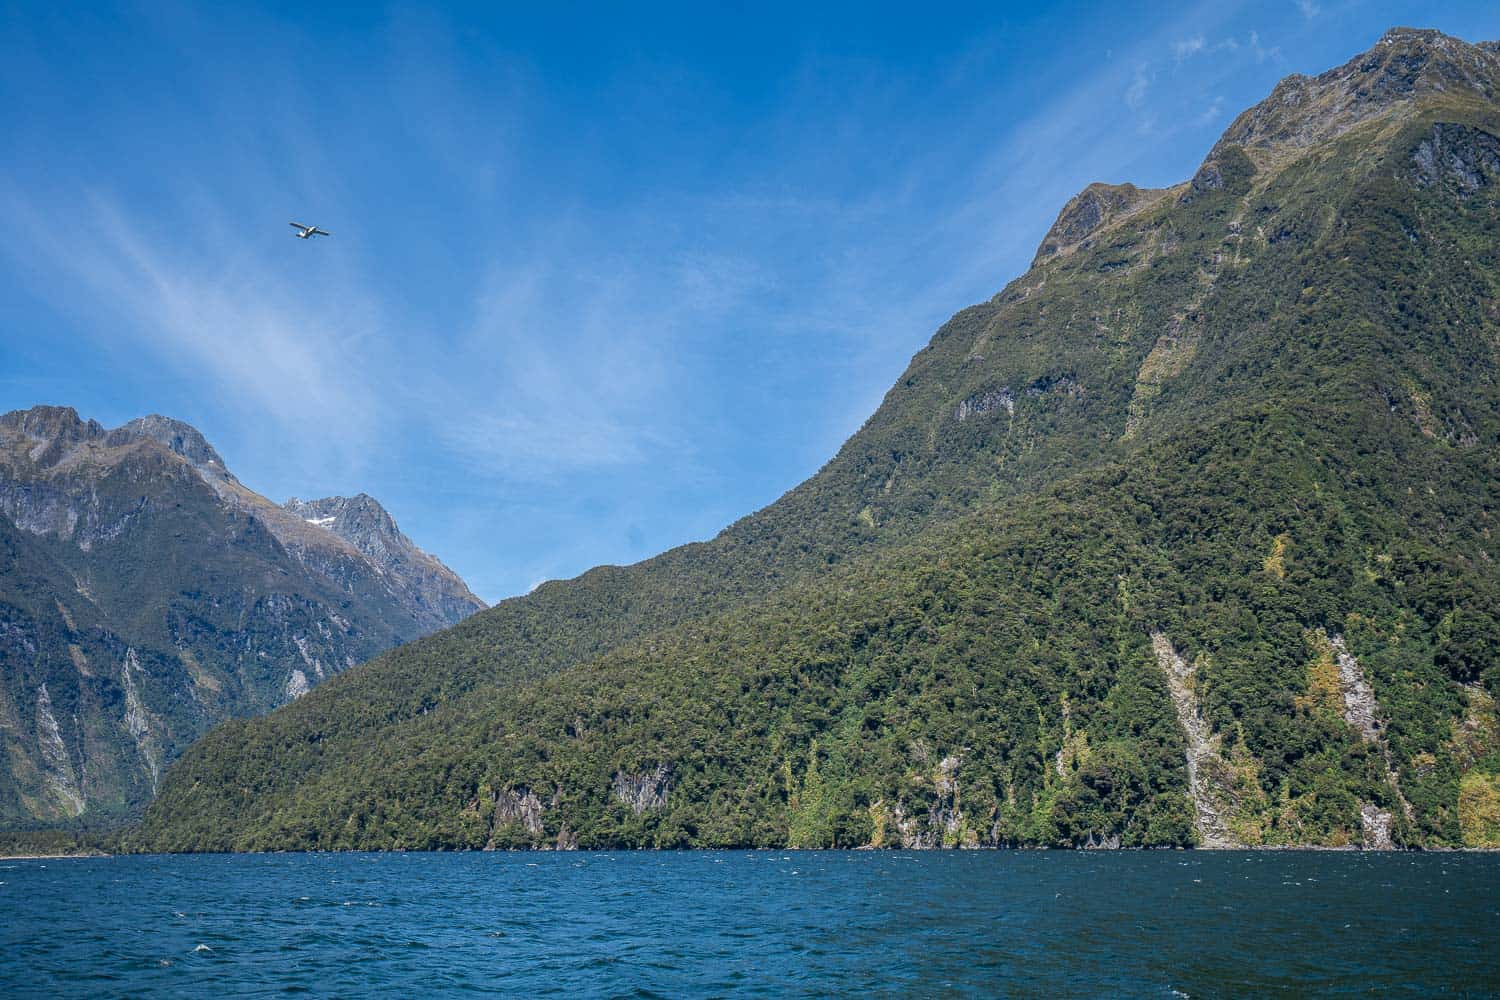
(1205, 762)
(1228, 169)
(57, 762)
(643, 791)
(49, 433)
(1362, 713)
(985, 402)
(1360, 710)
(1375, 825)
(519, 805)
(1467, 158)
(943, 824)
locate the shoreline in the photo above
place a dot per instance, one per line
(1278, 849)
(55, 857)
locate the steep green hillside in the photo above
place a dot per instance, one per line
(994, 682)
(1184, 537)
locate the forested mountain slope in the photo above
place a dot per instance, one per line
(1184, 537)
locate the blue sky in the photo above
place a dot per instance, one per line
(602, 279)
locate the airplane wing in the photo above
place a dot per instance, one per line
(296, 225)
(320, 232)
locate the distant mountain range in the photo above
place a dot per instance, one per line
(146, 594)
(1186, 537)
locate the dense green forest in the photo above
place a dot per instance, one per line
(1185, 537)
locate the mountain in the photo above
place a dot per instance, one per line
(431, 592)
(1187, 536)
(147, 594)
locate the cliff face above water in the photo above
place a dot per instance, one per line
(1187, 536)
(146, 594)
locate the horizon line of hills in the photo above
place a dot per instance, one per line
(1185, 538)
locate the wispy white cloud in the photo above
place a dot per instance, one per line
(1188, 47)
(576, 355)
(551, 332)
(1309, 8)
(1135, 93)
(1198, 45)
(257, 345)
(1262, 53)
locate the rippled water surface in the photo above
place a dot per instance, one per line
(1054, 924)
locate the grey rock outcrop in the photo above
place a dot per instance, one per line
(57, 763)
(985, 402)
(1205, 763)
(1362, 713)
(519, 805)
(1468, 158)
(942, 823)
(1360, 709)
(643, 791)
(1375, 826)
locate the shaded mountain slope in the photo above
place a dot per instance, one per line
(149, 594)
(1183, 537)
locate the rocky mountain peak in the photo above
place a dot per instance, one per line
(1089, 211)
(363, 523)
(179, 438)
(1405, 64)
(49, 422)
(359, 519)
(50, 430)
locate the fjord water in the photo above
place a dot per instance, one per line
(754, 922)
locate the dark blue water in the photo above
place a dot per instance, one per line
(693, 924)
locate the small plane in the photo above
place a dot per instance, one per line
(307, 232)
